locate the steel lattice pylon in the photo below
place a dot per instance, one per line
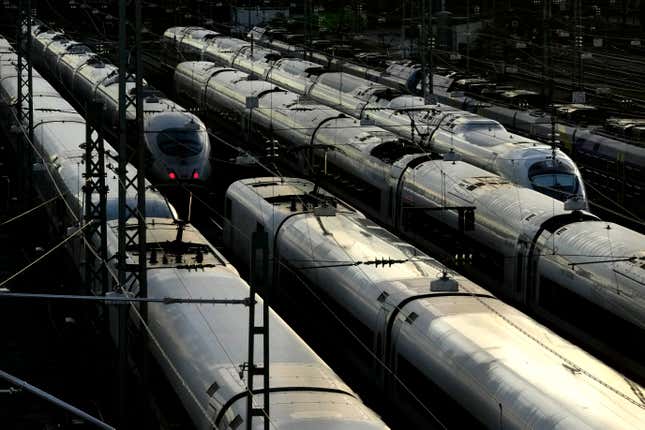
(24, 100)
(259, 280)
(132, 228)
(132, 214)
(96, 274)
(24, 96)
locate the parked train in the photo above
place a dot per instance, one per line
(528, 245)
(469, 357)
(478, 141)
(199, 347)
(177, 141)
(611, 155)
(265, 37)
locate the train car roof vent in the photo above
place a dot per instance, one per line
(444, 284)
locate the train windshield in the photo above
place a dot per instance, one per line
(487, 127)
(557, 180)
(180, 142)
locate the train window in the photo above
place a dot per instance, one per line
(487, 127)
(558, 186)
(556, 179)
(377, 349)
(412, 380)
(519, 269)
(180, 142)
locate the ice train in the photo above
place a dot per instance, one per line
(176, 140)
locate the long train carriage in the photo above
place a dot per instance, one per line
(466, 355)
(199, 347)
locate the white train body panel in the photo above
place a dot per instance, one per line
(608, 265)
(481, 352)
(176, 140)
(199, 346)
(490, 341)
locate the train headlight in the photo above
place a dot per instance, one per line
(195, 174)
(172, 175)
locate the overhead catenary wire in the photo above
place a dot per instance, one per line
(56, 401)
(124, 300)
(30, 210)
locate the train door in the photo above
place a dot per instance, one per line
(532, 281)
(391, 383)
(229, 230)
(379, 343)
(520, 278)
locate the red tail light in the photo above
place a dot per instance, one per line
(195, 174)
(172, 175)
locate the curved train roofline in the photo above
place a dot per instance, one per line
(305, 392)
(497, 152)
(176, 140)
(447, 331)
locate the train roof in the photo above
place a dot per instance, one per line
(289, 194)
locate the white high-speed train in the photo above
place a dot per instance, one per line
(200, 347)
(479, 141)
(176, 140)
(525, 244)
(469, 357)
